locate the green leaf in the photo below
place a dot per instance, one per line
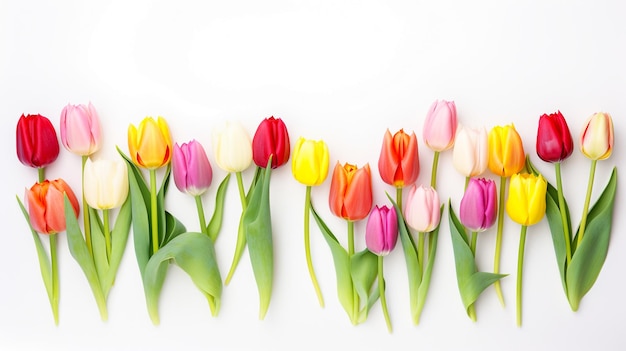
(163, 219)
(98, 244)
(364, 271)
(80, 252)
(589, 257)
(218, 213)
(257, 226)
(470, 281)
(195, 254)
(425, 284)
(119, 238)
(173, 228)
(342, 267)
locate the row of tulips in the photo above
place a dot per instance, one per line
(160, 239)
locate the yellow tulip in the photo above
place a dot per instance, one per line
(506, 151)
(150, 145)
(526, 204)
(310, 161)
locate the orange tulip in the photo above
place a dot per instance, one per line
(506, 151)
(150, 146)
(351, 192)
(46, 205)
(399, 161)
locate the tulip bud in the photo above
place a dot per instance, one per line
(46, 209)
(554, 140)
(470, 153)
(351, 192)
(80, 129)
(106, 183)
(232, 147)
(440, 125)
(381, 232)
(422, 211)
(596, 139)
(506, 151)
(526, 204)
(150, 145)
(191, 168)
(398, 163)
(310, 161)
(36, 141)
(478, 207)
(271, 139)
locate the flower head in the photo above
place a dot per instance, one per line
(440, 125)
(381, 232)
(310, 161)
(36, 141)
(106, 183)
(478, 207)
(191, 168)
(271, 139)
(351, 192)
(506, 151)
(232, 147)
(554, 140)
(46, 205)
(398, 163)
(80, 129)
(150, 145)
(422, 211)
(470, 153)
(596, 139)
(526, 204)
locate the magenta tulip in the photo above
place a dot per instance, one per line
(422, 211)
(440, 125)
(191, 168)
(80, 129)
(478, 210)
(381, 232)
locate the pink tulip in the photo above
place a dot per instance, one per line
(478, 208)
(381, 232)
(191, 168)
(422, 211)
(440, 125)
(80, 129)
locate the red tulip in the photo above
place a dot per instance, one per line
(46, 205)
(554, 140)
(399, 161)
(351, 192)
(36, 141)
(271, 139)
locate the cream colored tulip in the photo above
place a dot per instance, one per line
(232, 147)
(106, 183)
(470, 153)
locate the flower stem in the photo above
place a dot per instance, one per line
(154, 214)
(496, 259)
(241, 237)
(41, 174)
(420, 251)
(381, 289)
(583, 221)
(242, 191)
(355, 296)
(473, 243)
(433, 175)
(399, 197)
(86, 222)
(54, 301)
(520, 266)
(307, 245)
(200, 208)
(566, 234)
(471, 310)
(107, 234)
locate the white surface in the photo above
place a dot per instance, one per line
(342, 71)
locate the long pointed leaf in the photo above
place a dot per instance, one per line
(215, 225)
(98, 245)
(425, 284)
(364, 268)
(119, 238)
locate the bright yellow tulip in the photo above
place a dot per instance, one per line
(526, 204)
(310, 161)
(506, 151)
(150, 146)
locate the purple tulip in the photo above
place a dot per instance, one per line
(191, 168)
(478, 206)
(381, 232)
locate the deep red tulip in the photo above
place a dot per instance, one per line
(271, 139)
(554, 140)
(36, 141)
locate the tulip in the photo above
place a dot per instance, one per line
(381, 232)
(470, 153)
(351, 192)
(150, 146)
(554, 140)
(478, 207)
(191, 168)
(310, 161)
(440, 125)
(232, 147)
(398, 163)
(526, 204)
(271, 139)
(36, 141)
(422, 211)
(106, 183)
(506, 151)
(80, 129)
(46, 205)
(596, 139)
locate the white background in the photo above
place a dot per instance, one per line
(341, 71)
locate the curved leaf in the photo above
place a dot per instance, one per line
(425, 284)
(364, 271)
(119, 238)
(173, 228)
(218, 213)
(195, 254)
(589, 257)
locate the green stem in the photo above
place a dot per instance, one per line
(399, 198)
(55, 278)
(200, 208)
(355, 295)
(433, 175)
(566, 234)
(107, 234)
(153, 210)
(420, 251)
(41, 174)
(467, 179)
(496, 259)
(241, 237)
(242, 191)
(381, 290)
(520, 266)
(307, 245)
(86, 222)
(471, 310)
(583, 221)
